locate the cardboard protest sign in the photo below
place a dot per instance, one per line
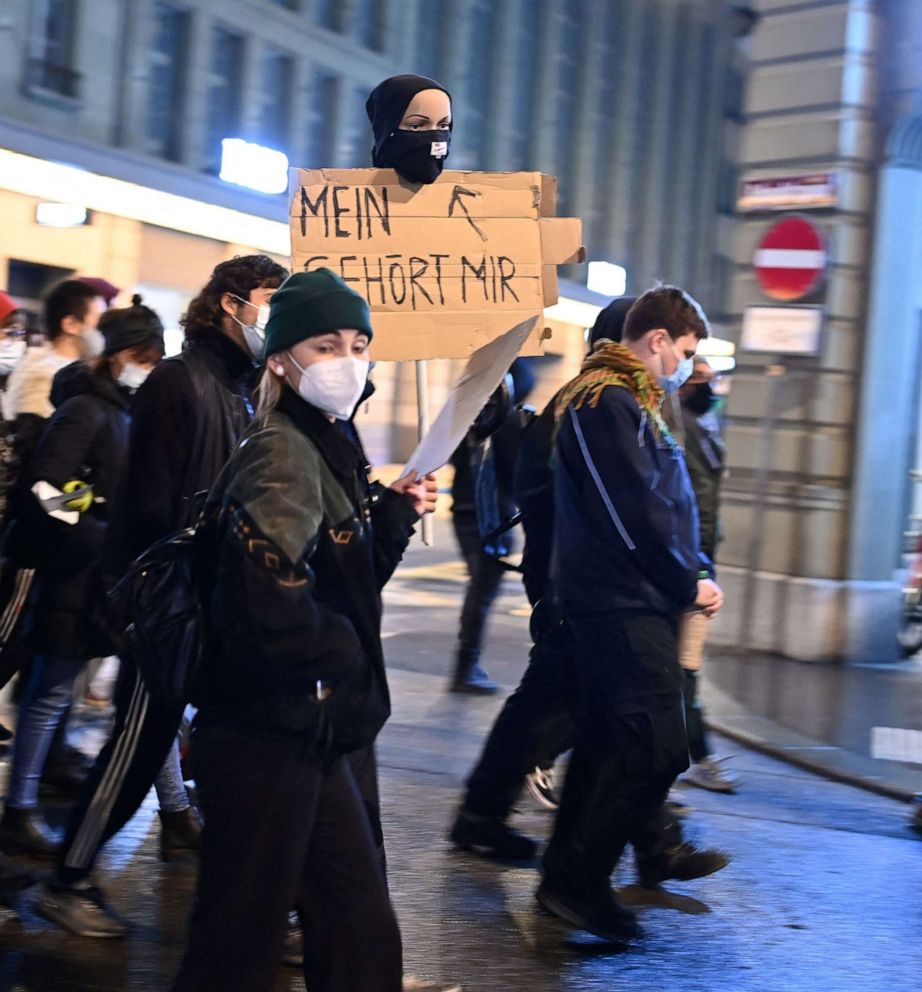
(446, 267)
(469, 394)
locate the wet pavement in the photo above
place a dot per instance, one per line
(824, 893)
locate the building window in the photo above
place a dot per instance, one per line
(432, 26)
(322, 103)
(354, 148)
(523, 97)
(569, 54)
(331, 14)
(49, 67)
(278, 73)
(167, 82)
(224, 93)
(481, 67)
(370, 22)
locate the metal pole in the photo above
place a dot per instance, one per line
(774, 379)
(422, 405)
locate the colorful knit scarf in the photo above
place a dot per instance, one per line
(611, 364)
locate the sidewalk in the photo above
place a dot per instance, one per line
(819, 717)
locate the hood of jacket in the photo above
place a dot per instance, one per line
(77, 379)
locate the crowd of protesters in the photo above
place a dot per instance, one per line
(247, 436)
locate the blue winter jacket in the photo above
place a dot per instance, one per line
(625, 520)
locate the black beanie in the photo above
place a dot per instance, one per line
(388, 103)
(312, 303)
(610, 321)
(131, 327)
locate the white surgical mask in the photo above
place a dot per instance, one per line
(255, 334)
(334, 386)
(673, 382)
(12, 348)
(92, 342)
(132, 376)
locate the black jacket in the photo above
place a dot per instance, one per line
(186, 419)
(533, 487)
(297, 548)
(625, 522)
(86, 439)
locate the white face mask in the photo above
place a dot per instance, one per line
(92, 343)
(255, 334)
(12, 348)
(132, 376)
(334, 386)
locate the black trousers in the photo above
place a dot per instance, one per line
(698, 747)
(485, 576)
(145, 727)
(533, 728)
(281, 830)
(630, 746)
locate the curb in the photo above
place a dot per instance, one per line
(762, 746)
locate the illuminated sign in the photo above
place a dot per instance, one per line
(253, 166)
(606, 278)
(60, 214)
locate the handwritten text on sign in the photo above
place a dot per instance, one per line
(469, 244)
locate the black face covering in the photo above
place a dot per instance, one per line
(700, 399)
(408, 152)
(418, 156)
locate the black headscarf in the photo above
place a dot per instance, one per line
(610, 321)
(388, 103)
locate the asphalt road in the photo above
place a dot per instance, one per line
(824, 893)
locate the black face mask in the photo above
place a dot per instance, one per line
(411, 154)
(700, 399)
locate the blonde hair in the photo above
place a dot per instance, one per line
(268, 394)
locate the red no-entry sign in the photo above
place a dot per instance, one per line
(791, 259)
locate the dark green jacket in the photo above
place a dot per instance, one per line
(301, 546)
(704, 458)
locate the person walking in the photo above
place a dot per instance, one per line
(297, 546)
(81, 452)
(186, 419)
(626, 565)
(704, 457)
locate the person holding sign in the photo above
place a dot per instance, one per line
(300, 545)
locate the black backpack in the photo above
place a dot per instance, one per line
(160, 598)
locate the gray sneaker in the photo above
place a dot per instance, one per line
(707, 774)
(411, 984)
(82, 910)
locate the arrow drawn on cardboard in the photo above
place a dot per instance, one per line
(456, 194)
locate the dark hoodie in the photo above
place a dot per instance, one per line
(86, 439)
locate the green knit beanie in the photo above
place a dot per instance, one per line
(312, 303)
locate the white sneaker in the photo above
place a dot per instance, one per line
(542, 786)
(707, 774)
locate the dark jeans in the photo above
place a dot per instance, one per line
(698, 747)
(144, 731)
(534, 726)
(281, 830)
(630, 746)
(485, 576)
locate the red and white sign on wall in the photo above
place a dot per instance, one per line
(790, 261)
